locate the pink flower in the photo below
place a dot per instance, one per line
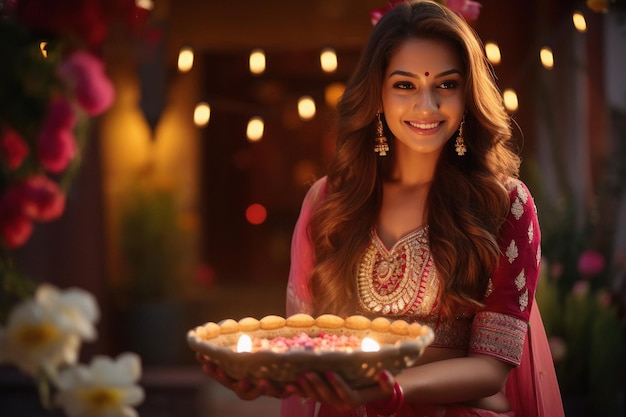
(85, 74)
(15, 226)
(35, 198)
(558, 348)
(580, 289)
(556, 270)
(60, 114)
(56, 149)
(15, 229)
(42, 199)
(13, 149)
(56, 145)
(467, 8)
(377, 14)
(605, 299)
(590, 263)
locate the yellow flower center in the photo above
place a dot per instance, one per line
(99, 398)
(36, 335)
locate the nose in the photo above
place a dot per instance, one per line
(425, 101)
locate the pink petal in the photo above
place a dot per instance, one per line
(55, 149)
(85, 75)
(15, 227)
(43, 199)
(13, 149)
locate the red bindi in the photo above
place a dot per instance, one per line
(427, 73)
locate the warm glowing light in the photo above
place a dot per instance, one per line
(257, 61)
(579, 22)
(42, 48)
(201, 114)
(547, 58)
(256, 213)
(510, 100)
(369, 345)
(145, 4)
(254, 132)
(244, 344)
(306, 108)
(185, 59)
(328, 60)
(493, 53)
(333, 93)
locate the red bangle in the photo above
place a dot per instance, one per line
(391, 407)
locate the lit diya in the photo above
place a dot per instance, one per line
(280, 349)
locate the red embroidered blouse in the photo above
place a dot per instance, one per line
(402, 282)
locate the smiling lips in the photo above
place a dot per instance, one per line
(425, 126)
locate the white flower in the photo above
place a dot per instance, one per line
(75, 310)
(33, 341)
(46, 331)
(105, 388)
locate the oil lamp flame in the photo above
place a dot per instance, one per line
(244, 344)
(369, 345)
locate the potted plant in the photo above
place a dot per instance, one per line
(152, 246)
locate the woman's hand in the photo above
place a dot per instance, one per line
(330, 388)
(244, 388)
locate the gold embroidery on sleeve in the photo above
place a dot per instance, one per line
(499, 335)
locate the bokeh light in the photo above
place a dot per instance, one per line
(328, 60)
(306, 108)
(257, 61)
(201, 114)
(256, 214)
(254, 131)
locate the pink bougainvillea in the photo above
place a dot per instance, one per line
(15, 226)
(39, 141)
(56, 144)
(85, 74)
(469, 9)
(56, 148)
(13, 149)
(36, 198)
(42, 198)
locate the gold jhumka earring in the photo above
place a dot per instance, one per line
(381, 146)
(459, 145)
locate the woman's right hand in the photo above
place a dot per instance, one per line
(244, 388)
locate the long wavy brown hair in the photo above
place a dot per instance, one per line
(467, 202)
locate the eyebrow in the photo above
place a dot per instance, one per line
(410, 74)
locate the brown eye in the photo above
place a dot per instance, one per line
(446, 85)
(403, 85)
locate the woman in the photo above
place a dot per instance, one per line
(421, 217)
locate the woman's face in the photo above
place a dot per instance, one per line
(423, 95)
